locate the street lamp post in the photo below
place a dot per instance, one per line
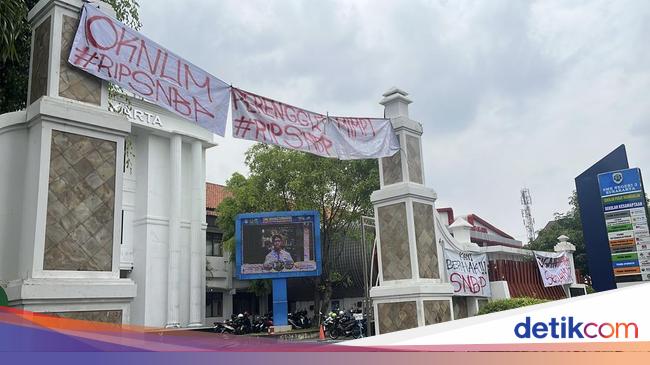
(366, 275)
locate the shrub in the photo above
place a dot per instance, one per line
(4, 302)
(505, 304)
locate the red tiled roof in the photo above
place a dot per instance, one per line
(450, 214)
(214, 195)
(471, 219)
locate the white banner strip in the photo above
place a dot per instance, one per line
(554, 267)
(110, 50)
(468, 273)
(260, 119)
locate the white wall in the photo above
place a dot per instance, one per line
(13, 154)
(151, 216)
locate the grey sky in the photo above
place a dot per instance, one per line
(510, 93)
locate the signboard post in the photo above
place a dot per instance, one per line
(280, 307)
(277, 246)
(624, 208)
(593, 222)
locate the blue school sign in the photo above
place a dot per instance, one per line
(594, 230)
(626, 223)
(619, 182)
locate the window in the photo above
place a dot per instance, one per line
(214, 304)
(213, 244)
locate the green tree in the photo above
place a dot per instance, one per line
(14, 53)
(282, 179)
(567, 224)
(15, 42)
(10, 29)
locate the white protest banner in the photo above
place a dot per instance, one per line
(468, 273)
(554, 267)
(108, 49)
(260, 119)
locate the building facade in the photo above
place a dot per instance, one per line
(105, 215)
(102, 203)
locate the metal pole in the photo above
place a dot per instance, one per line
(366, 275)
(280, 308)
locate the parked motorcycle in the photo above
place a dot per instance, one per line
(224, 327)
(262, 323)
(242, 324)
(299, 320)
(329, 325)
(345, 324)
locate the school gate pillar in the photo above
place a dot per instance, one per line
(62, 254)
(412, 291)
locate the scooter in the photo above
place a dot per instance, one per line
(262, 323)
(242, 324)
(224, 327)
(298, 320)
(330, 324)
(348, 325)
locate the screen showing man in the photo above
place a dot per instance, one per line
(278, 259)
(281, 244)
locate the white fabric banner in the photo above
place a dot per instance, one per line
(108, 49)
(260, 119)
(554, 267)
(468, 273)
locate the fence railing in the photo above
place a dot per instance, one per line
(523, 279)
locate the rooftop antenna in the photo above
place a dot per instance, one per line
(529, 221)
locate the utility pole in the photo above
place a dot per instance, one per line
(529, 221)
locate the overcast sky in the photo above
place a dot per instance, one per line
(509, 93)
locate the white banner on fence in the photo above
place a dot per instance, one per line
(108, 49)
(468, 273)
(554, 267)
(260, 119)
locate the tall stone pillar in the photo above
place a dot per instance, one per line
(71, 153)
(197, 260)
(54, 24)
(174, 249)
(563, 245)
(412, 291)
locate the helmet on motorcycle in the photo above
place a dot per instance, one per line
(341, 313)
(333, 315)
(240, 315)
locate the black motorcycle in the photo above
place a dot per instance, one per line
(346, 325)
(261, 324)
(224, 327)
(242, 324)
(330, 325)
(299, 320)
